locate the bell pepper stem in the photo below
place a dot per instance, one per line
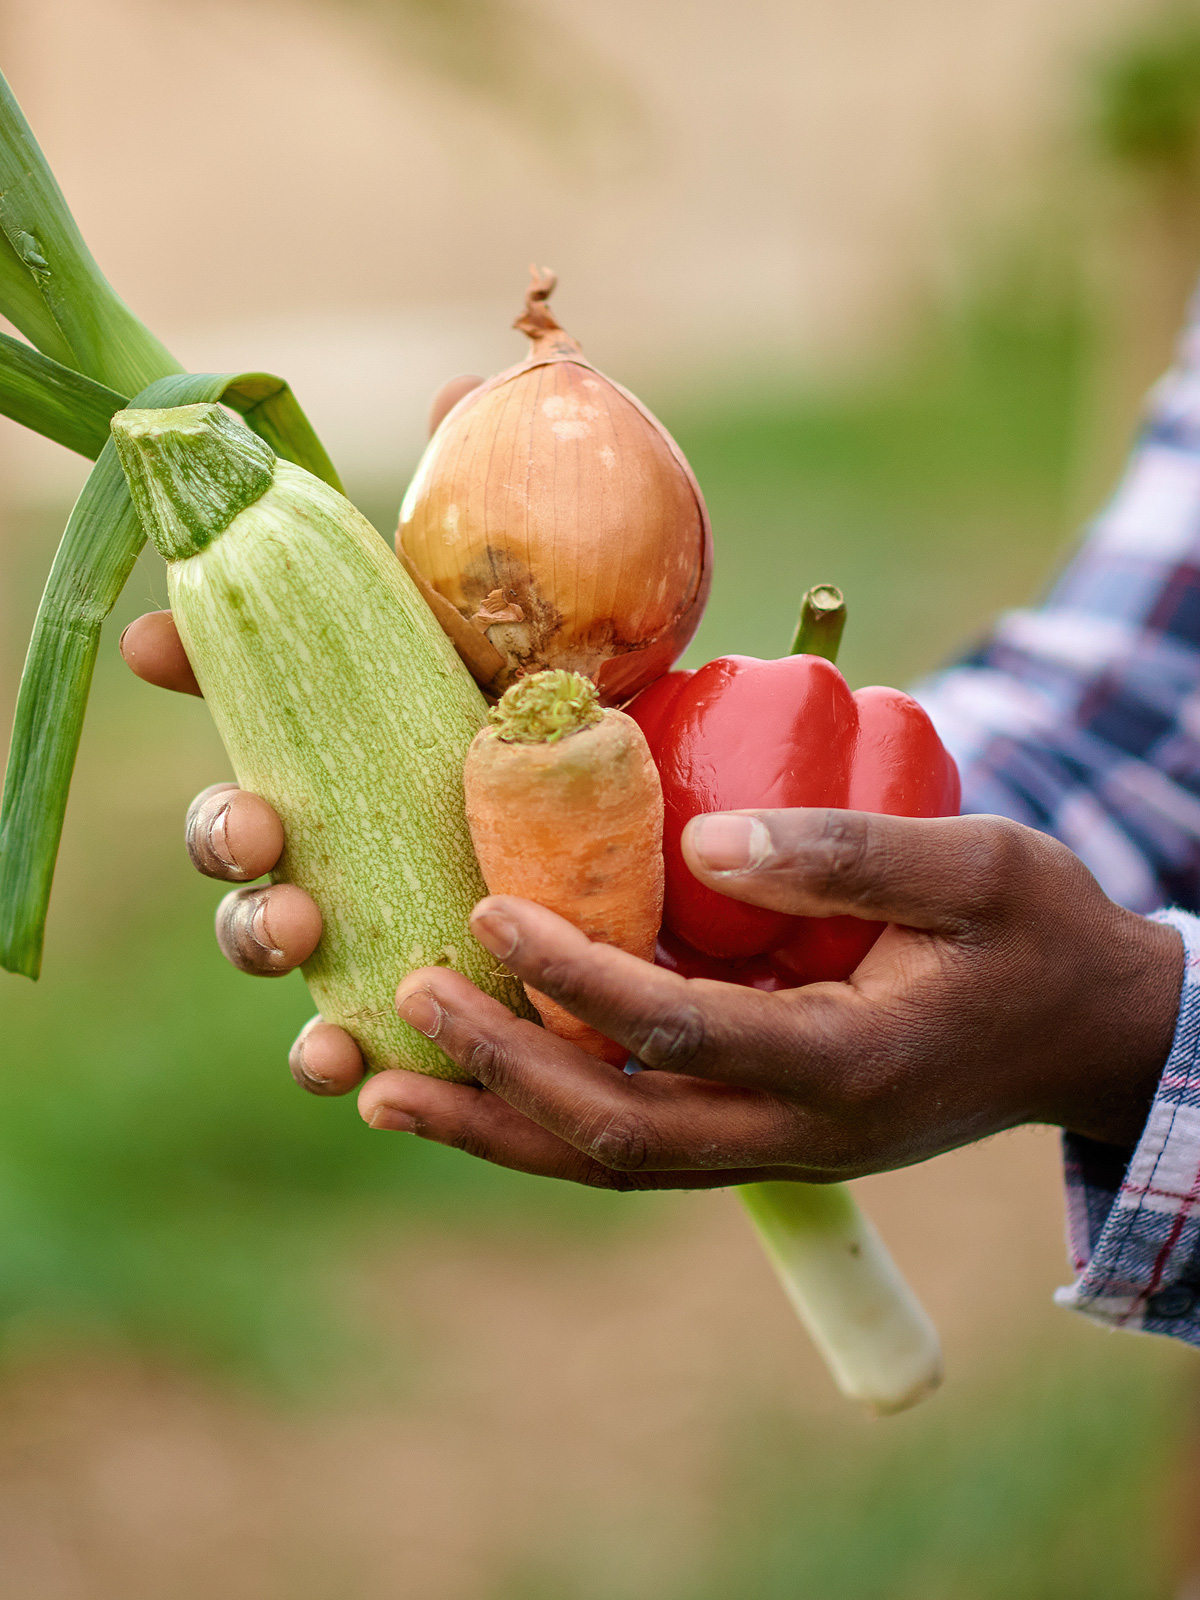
(874, 1335)
(822, 618)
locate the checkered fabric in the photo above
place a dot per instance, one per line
(1133, 1225)
(1082, 718)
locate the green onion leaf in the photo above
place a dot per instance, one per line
(63, 405)
(54, 400)
(50, 287)
(102, 541)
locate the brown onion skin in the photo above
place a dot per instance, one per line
(562, 522)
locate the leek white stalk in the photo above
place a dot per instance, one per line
(339, 700)
(875, 1336)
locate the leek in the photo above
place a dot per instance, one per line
(50, 287)
(92, 353)
(875, 1336)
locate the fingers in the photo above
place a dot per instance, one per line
(325, 1060)
(648, 1121)
(153, 650)
(925, 872)
(651, 1012)
(448, 396)
(232, 834)
(471, 1119)
(674, 1024)
(480, 1122)
(267, 932)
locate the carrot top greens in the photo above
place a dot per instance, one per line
(545, 707)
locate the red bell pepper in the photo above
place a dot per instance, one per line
(742, 733)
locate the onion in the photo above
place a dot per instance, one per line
(554, 522)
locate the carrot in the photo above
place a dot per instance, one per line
(565, 809)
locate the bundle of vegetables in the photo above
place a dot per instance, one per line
(553, 524)
(566, 808)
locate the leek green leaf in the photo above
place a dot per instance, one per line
(54, 400)
(102, 541)
(50, 286)
(74, 411)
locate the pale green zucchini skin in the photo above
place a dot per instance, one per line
(341, 701)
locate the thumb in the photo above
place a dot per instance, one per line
(925, 872)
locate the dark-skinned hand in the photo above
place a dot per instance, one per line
(1006, 989)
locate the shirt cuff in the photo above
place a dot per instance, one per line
(1133, 1217)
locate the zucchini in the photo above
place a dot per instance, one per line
(339, 700)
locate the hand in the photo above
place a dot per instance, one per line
(1008, 989)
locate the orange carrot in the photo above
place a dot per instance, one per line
(565, 809)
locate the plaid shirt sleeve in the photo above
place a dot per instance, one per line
(1133, 1223)
(1081, 717)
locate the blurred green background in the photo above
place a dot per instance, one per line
(194, 1253)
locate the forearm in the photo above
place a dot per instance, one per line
(1076, 717)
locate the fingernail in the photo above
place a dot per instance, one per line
(495, 933)
(299, 1068)
(389, 1120)
(121, 640)
(207, 839)
(259, 931)
(727, 842)
(422, 1012)
(243, 934)
(218, 841)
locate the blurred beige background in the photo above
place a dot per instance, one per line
(736, 197)
(728, 192)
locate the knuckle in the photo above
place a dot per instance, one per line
(840, 850)
(623, 1142)
(484, 1061)
(561, 979)
(998, 857)
(674, 1041)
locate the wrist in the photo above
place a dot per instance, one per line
(1127, 1031)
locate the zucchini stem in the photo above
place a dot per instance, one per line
(190, 470)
